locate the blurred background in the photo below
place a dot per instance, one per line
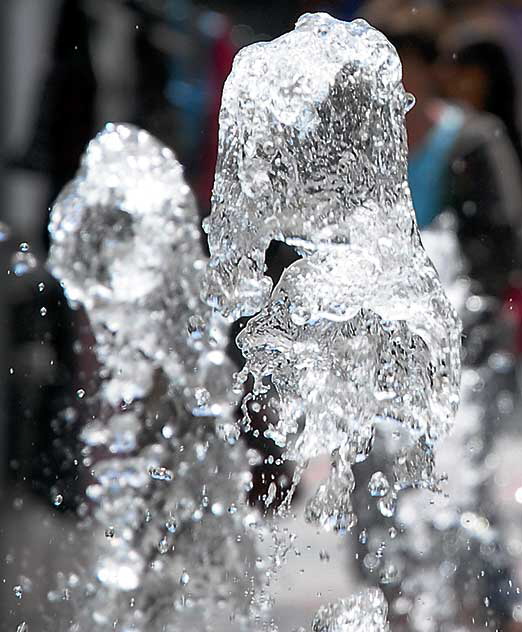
(72, 65)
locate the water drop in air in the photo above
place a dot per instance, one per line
(379, 485)
(109, 532)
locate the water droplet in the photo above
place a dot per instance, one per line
(217, 509)
(41, 287)
(196, 326)
(18, 591)
(371, 561)
(23, 247)
(202, 396)
(272, 491)
(22, 263)
(171, 525)
(22, 627)
(109, 532)
(324, 556)
(184, 579)
(389, 574)
(80, 393)
(57, 500)
(378, 485)
(387, 506)
(410, 101)
(160, 473)
(43, 311)
(167, 431)
(363, 536)
(163, 546)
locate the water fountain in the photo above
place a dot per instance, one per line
(357, 337)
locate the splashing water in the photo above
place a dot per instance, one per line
(358, 332)
(126, 246)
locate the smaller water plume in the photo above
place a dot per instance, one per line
(171, 480)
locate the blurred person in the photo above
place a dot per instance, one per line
(476, 70)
